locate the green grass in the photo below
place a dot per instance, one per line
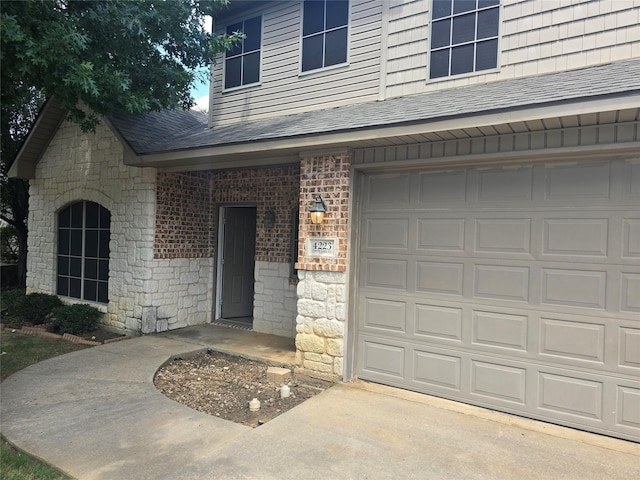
(18, 351)
(17, 465)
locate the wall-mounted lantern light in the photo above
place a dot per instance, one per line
(318, 210)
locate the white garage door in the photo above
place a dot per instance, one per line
(514, 288)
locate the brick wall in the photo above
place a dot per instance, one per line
(188, 204)
(273, 189)
(328, 176)
(183, 216)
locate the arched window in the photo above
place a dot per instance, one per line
(83, 252)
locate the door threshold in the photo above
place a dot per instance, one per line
(239, 324)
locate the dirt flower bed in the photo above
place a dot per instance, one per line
(223, 385)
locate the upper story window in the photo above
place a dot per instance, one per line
(325, 27)
(464, 36)
(242, 62)
(83, 252)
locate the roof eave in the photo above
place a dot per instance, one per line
(243, 154)
(45, 127)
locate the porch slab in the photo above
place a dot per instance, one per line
(271, 349)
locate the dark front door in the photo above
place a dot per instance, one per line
(238, 253)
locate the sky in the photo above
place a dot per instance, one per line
(200, 91)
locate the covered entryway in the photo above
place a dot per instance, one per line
(515, 288)
(237, 263)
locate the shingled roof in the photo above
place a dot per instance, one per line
(142, 132)
(175, 135)
(175, 130)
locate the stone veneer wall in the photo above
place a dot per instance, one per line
(322, 287)
(322, 302)
(179, 294)
(275, 298)
(146, 294)
(78, 166)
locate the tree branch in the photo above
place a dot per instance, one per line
(10, 221)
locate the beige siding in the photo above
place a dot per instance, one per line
(283, 90)
(537, 36)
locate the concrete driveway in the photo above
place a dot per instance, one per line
(95, 414)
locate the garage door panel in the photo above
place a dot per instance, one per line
(501, 282)
(578, 181)
(568, 396)
(632, 175)
(443, 188)
(503, 235)
(387, 233)
(571, 396)
(386, 273)
(580, 288)
(385, 315)
(631, 238)
(628, 410)
(440, 277)
(500, 330)
(389, 191)
(512, 288)
(629, 348)
(438, 322)
(500, 382)
(630, 292)
(505, 185)
(437, 370)
(380, 359)
(441, 234)
(576, 237)
(572, 340)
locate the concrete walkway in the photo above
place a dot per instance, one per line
(96, 415)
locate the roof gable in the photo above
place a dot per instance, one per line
(51, 115)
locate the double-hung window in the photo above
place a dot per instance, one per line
(325, 31)
(83, 252)
(242, 62)
(464, 36)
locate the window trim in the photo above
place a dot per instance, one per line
(261, 51)
(303, 73)
(83, 256)
(474, 42)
